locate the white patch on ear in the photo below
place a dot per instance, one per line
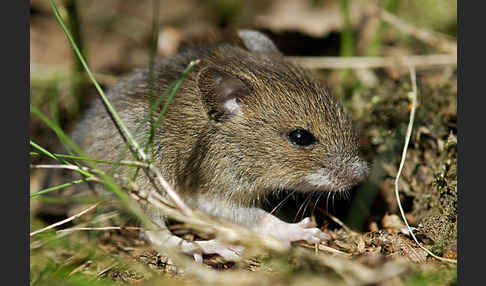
(232, 106)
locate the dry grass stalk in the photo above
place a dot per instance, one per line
(413, 94)
(64, 221)
(375, 62)
(442, 41)
(99, 228)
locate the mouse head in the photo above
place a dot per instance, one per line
(273, 124)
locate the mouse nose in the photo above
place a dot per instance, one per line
(356, 170)
(347, 171)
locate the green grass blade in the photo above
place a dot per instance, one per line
(65, 140)
(53, 156)
(107, 180)
(171, 96)
(112, 112)
(81, 158)
(58, 187)
(45, 152)
(347, 32)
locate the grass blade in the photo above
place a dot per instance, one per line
(58, 187)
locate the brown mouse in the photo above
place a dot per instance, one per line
(244, 123)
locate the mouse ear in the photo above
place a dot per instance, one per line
(255, 41)
(221, 93)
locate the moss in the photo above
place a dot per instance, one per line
(443, 276)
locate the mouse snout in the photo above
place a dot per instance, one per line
(338, 174)
(356, 171)
(347, 171)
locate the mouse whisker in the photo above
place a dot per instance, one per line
(306, 206)
(316, 202)
(327, 200)
(333, 202)
(300, 208)
(346, 195)
(282, 202)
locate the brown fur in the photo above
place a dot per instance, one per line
(231, 160)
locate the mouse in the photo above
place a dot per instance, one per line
(244, 123)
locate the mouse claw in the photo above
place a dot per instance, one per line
(198, 248)
(197, 257)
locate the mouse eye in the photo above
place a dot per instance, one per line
(301, 137)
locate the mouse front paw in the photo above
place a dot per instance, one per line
(307, 231)
(304, 230)
(196, 249)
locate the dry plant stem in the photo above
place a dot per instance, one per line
(79, 268)
(374, 62)
(170, 191)
(64, 221)
(98, 219)
(49, 73)
(224, 231)
(105, 270)
(430, 37)
(68, 167)
(78, 169)
(402, 163)
(326, 249)
(99, 228)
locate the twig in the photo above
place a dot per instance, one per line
(64, 221)
(374, 62)
(402, 163)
